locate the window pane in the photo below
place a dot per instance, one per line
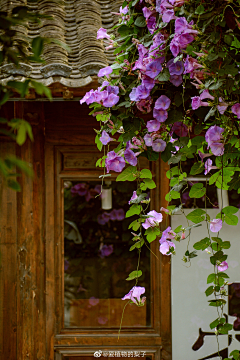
(97, 259)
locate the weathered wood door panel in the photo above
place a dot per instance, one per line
(71, 163)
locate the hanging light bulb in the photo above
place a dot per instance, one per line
(107, 195)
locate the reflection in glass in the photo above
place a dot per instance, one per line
(97, 259)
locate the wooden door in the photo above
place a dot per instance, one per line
(92, 322)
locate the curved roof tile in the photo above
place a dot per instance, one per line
(74, 23)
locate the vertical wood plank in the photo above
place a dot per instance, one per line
(8, 265)
(31, 247)
(165, 281)
(50, 266)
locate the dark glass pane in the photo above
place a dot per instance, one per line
(97, 259)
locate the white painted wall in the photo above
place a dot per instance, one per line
(190, 310)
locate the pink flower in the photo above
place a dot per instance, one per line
(165, 243)
(134, 197)
(134, 295)
(165, 210)
(105, 71)
(105, 138)
(215, 225)
(222, 106)
(93, 301)
(236, 110)
(223, 266)
(154, 219)
(208, 166)
(102, 34)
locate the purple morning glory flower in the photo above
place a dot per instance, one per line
(105, 251)
(93, 301)
(175, 68)
(160, 115)
(124, 10)
(176, 80)
(162, 103)
(215, 225)
(147, 12)
(103, 218)
(182, 26)
(130, 157)
(105, 71)
(153, 69)
(165, 243)
(159, 145)
(134, 197)
(142, 92)
(133, 96)
(208, 166)
(165, 247)
(148, 82)
(223, 266)
(112, 90)
(222, 106)
(154, 219)
(202, 156)
(191, 64)
(111, 100)
(213, 137)
(174, 46)
(168, 15)
(153, 125)
(120, 214)
(114, 162)
(134, 295)
(151, 24)
(148, 140)
(236, 110)
(180, 129)
(105, 138)
(79, 189)
(102, 34)
(197, 100)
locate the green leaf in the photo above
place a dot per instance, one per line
(196, 216)
(145, 174)
(211, 278)
(200, 10)
(98, 143)
(24, 166)
(226, 244)
(140, 21)
(166, 154)
(198, 141)
(129, 174)
(151, 233)
(13, 184)
(135, 225)
(214, 323)
(197, 168)
(209, 291)
(235, 354)
(147, 184)
(134, 275)
(37, 46)
(202, 244)
(197, 191)
(164, 75)
(41, 89)
(134, 210)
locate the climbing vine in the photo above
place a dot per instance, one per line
(173, 92)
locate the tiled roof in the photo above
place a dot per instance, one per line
(75, 23)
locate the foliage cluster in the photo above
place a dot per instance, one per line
(173, 91)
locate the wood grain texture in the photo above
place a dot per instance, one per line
(31, 258)
(8, 265)
(165, 279)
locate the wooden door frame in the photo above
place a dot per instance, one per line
(60, 340)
